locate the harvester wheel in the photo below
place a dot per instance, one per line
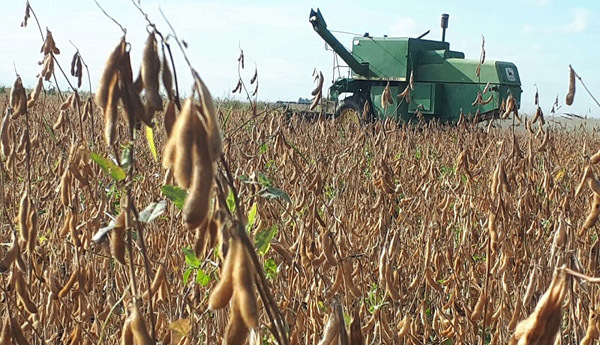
(349, 113)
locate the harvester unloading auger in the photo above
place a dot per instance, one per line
(417, 77)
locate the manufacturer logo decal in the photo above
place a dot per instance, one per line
(510, 74)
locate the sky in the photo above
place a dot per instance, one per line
(542, 37)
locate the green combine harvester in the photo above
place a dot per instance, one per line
(444, 83)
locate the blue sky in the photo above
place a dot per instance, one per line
(542, 37)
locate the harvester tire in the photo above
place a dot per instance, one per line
(348, 112)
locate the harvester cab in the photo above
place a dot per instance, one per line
(409, 78)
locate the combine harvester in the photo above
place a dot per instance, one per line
(441, 82)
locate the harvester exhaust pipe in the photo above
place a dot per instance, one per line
(444, 26)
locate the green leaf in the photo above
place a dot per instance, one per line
(262, 149)
(152, 211)
(202, 278)
(190, 258)
(227, 116)
(175, 194)
(271, 268)
(109, 167)
(251, 217)
(126, 157)
(50, 131)
(264, 180)
(186, 275)
(262, 240)
(347, 318)
(231, 202)
(321, 306)
(275, 193)
(151, 145)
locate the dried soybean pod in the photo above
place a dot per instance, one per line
(74, 232)
(75, 337)
(356, 335)
(66, 225)
(215, 141)
(530, 287)
(331, 330)
(255, 76)
(516, 314)
(79, 71)
(181, 143)
(347, 271)
(4, 134)
(117, 239)
(110, 70)
(137, 107)
(200, 238)
(282, 251)
(17, 333)
(170, 117)
(319, 87)
(150, 71)
(87, 111)
(315, 101)
(67, 103)
(243, 285)
(72, 279)
(488, 100)
(337, 283)
(587, 173)
(328, 249)
(167, 78)
(132, 103)
(74, 63)
(238, 87)
(479, 306)
(49, 45)
(126, 333)
(22, 293)
(18, 99)
(430, 281)
(544, 143)
(594, 184)
(138, 327)
(386, 96)
(53, 284)
(111, 112)
(591, 332)
(5, 336)
(595, 158)
(124, 68)
(35, 94)
(156, 282)
(571, 93)
(33, 228)
(236, 331)
(404, 326)
(222, 292)
(15, 93)
(23, 216)
(544, 323)
(10, 255)
(197, 203)
(592, 217)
